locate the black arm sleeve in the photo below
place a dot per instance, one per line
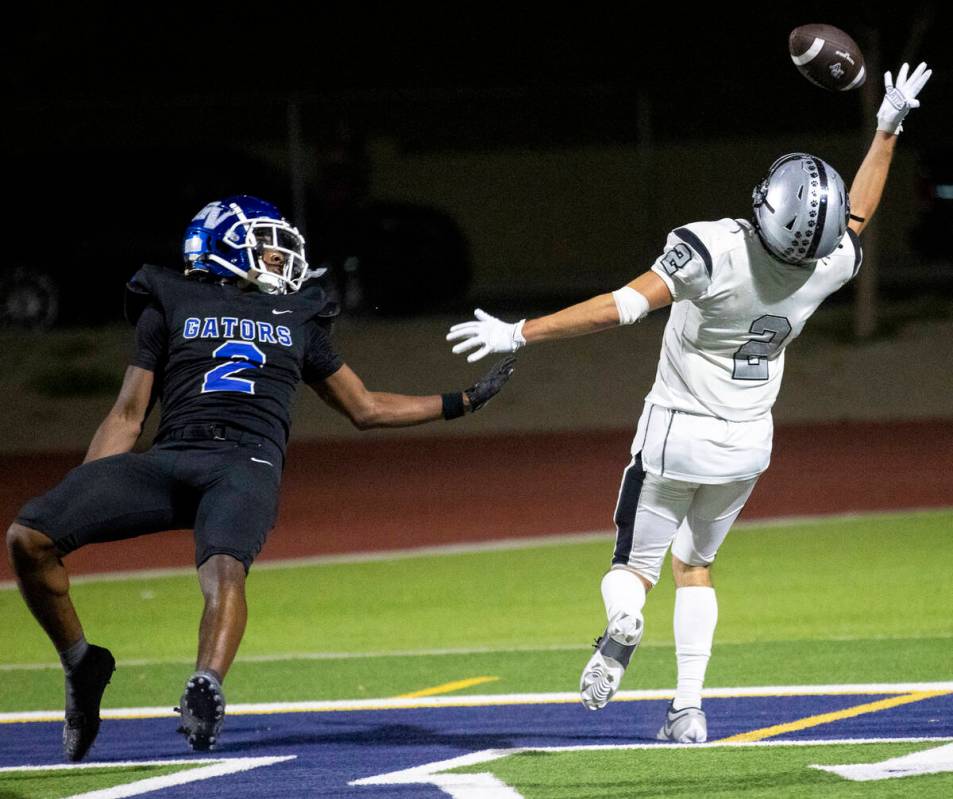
(152, 338)
(320, 359)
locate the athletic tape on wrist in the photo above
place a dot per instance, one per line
(518, 339)
(453, 407)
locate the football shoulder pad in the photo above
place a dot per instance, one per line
(150, 285)
(317, 301)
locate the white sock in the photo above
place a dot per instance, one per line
(696, 614)
(622, 592)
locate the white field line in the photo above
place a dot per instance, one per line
(283, 657)
(214, 768)
(129, 764)
(501, 545)
(494, 700)
(347, 558)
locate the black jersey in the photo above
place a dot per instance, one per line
(224, 355)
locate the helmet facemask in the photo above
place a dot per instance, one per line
(253, 238)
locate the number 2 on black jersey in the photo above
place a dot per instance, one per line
(239, 356)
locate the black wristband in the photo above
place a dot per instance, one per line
(453, 404)
(857, 218)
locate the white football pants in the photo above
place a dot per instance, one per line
(654, 513)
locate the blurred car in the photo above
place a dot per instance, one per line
(930, 238)
(392, 258)
(87, 220)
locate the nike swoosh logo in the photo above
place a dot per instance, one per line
(276, 312)
(259, 460)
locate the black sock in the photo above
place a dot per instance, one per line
(73, 654)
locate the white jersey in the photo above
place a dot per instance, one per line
(735, 309)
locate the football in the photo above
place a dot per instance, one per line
(827, 57)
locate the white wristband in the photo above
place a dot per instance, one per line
(518, 340)
(631, 305)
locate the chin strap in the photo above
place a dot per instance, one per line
(268, 283)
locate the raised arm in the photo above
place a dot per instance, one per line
(626, 305)
(346, 393)
(868, 185)
(122, 426)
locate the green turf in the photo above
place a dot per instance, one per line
(835, 601)
(63, 782)
(755, 773)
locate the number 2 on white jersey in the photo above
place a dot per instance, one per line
(751, 358)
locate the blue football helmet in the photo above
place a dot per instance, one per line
(228, 238)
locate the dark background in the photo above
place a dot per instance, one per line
(128, 124)
(442, 78)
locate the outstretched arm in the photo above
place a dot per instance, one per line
(346, 393)
(120, 430)
(599, 313)
(629, 304)
(868, 185)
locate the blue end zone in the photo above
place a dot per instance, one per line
(334, 748)
(929, 718)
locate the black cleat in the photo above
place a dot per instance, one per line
(84, 691)
(202, 710)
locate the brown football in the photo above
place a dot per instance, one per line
(827, 57)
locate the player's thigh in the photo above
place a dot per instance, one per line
(109, 499)
(648, 514)
(713, 511)
(239, 508)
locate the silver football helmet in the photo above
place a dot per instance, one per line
(801, 209)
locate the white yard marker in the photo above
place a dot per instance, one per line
(459, 786)
(929, 761)
(215, 768)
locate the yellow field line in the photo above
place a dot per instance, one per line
(448, 687)
(827, 718)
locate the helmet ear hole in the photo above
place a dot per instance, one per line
(759, 193)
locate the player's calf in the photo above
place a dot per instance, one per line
(614, 649)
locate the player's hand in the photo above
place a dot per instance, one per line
(487, 334)
(900, 98)
(488, 386)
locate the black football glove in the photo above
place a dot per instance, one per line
(487, 387)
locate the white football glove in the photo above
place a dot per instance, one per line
(901, 98)
(485, 335)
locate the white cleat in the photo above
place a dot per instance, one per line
(685, 726)
(603, 673)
